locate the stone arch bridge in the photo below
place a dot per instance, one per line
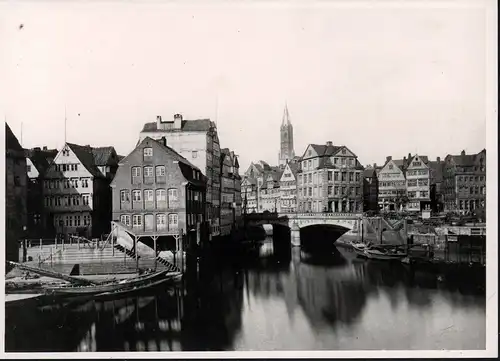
(340, 223)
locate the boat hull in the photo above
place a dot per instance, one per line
(105, 288)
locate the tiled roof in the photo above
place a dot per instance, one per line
(368, 172)
(85, 155)
(325, 150)
(41, 159)
(102, 155)
(186, 125)
(465, 160)
(294, 167)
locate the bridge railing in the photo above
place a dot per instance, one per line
(303, 215)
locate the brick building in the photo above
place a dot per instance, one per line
(15, 194)
(158, 193)
(330, 180)
(197, 141)
(464, 180)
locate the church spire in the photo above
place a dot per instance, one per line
(286, 116)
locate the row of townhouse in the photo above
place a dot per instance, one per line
(69, 190)
(457, 184)
(326, 178)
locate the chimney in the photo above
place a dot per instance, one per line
(438, 159)
(463, 153)
(44, 147)
(409, 156)
(388, 158)
(164, 141)
(404, 160)
(374, 165)
(329, 143)
(177, 121)
(158, 122)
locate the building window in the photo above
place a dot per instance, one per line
(148, 152)
(125, 219)
(125, 196)
(65, 152)
(173, 221)
(148, 172)
(137, 221)
(76, 200)
(160, 171)
(85, 183)
(351, 176)
(148, 195)
(344, 176)
(161, 221)
(28, 168)
(136, 172)
(136, 196)
(160, 197)
(357, 176)
(172, 195)
(194, 154)
(85, 199)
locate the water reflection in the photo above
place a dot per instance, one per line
(283, 300)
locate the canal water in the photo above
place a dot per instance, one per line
(296, 302)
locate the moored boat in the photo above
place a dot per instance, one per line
(106, 287)
(171, 277)
(385, 253)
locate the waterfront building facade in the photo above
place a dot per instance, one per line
(288, 188)
(76, 193)
(437, 189)
(15, 195)
(269, 194)
(464, 179)
(156, 192)
(370, 189)
(417, 174)
(197, 141)
(249, 195)
(230, 192)
(287, 152)
(392, 185)
(330, 180)
(37, 163)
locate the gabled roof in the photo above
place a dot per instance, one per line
(294, 167)
(103, 155)
(86, 157)
(41, 159)
(11, 141)
(195, 125)
(174, 154)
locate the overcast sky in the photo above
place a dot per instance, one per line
(381, 80)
